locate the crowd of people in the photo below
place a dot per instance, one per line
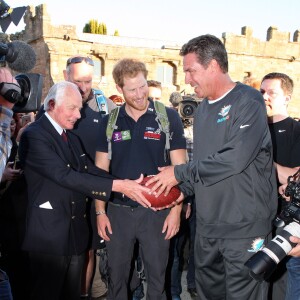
(74, 219)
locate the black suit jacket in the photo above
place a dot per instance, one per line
(59, 181)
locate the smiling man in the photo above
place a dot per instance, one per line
(59, 178)
(232, 174)
(137, 146)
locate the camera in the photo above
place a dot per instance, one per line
(20, 57)
(187, 107)
(26, 96)
(264, 262)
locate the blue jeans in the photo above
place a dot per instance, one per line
(5, 290)
(293, 281)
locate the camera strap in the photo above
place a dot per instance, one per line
(101, 101)
(111, 126)
(163, 123)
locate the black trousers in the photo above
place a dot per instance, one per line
(55, 277)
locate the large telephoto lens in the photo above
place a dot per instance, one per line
(264, 262)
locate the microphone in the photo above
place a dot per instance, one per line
(175, 98)
(20, 56)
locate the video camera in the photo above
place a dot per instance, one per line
(187, 108)
(21, 57)
(26, 96)
(264, 262)
(31, 92)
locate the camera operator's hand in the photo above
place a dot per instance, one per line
(296, 250)
(6, 76)
(284, 172)
(11, 174)
(281, 191)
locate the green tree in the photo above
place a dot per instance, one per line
(94, 27)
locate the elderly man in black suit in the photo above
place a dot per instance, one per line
(59, 178)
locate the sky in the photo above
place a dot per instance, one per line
(172, 20)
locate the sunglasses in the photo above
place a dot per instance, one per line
(79, 59)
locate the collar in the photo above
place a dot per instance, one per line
(57, 127)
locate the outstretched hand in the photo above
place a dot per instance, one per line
(133, 190)
(164, 181)
(176, 202)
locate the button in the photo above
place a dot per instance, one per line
(85, 167)
(73, 202)
(73, 217)
(68, 165)
(84, 215)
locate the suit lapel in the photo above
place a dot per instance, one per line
(73, 151)
(61, 147)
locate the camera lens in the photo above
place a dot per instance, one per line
(188, 110)
(264, 262)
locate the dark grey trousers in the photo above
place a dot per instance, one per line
(145, 226)
(220, 271)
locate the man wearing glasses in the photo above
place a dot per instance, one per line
(80, 70)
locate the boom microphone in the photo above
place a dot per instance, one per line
(175, 98)
(19, 55)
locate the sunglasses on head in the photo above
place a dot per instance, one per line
(79, 59)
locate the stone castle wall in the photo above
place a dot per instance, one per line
(276, 54)
(55, 44)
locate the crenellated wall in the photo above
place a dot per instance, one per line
(54, 44)
(277, 54)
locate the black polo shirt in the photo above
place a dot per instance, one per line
(139, 147)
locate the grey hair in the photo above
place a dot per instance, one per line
(58, 91)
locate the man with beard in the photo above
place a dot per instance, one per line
(137, 146)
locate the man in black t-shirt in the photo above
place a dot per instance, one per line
(277, 89)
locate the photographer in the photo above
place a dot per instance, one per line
(5, 117)
(277, 89)
(5, 148)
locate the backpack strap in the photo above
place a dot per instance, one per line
(111, 126)
(163, 123)
(101, 101)
(161, 119)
